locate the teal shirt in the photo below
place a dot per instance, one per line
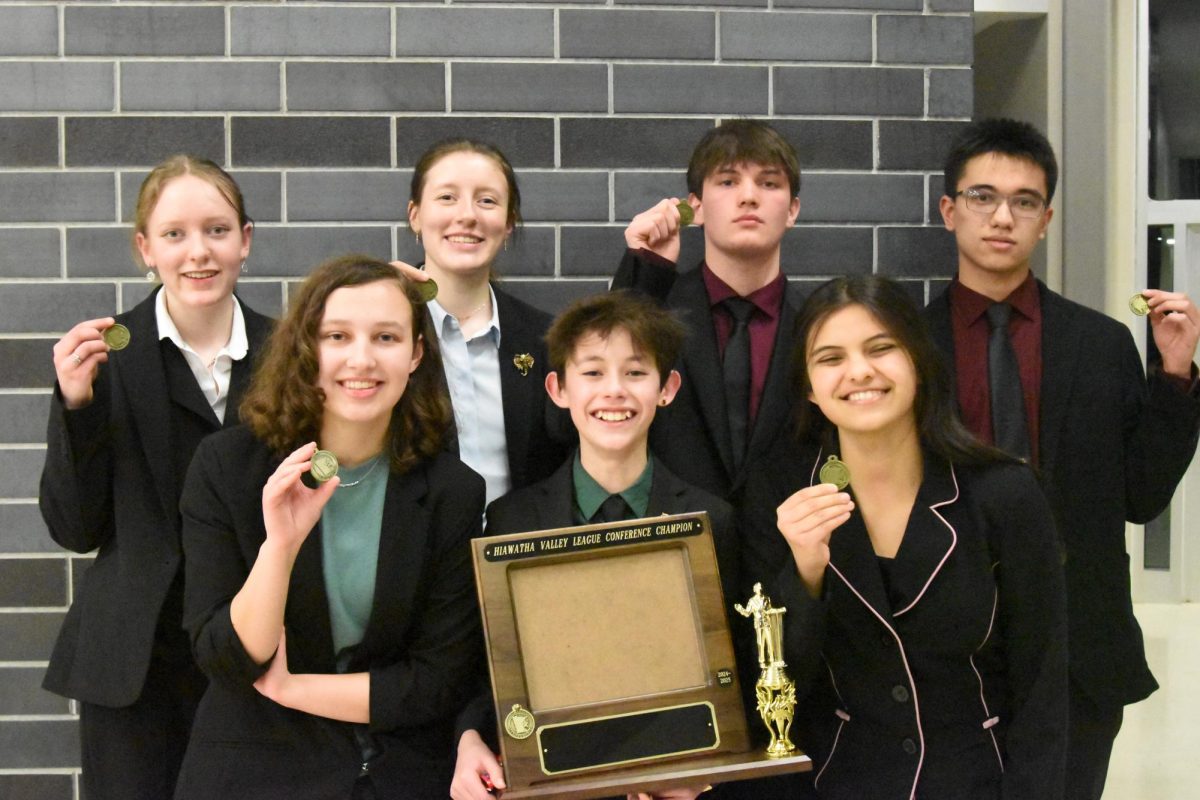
(350, 527)
(589, 495)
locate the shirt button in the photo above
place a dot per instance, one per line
(909, 746)
(900, 694)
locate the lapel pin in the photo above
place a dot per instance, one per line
(523, 362)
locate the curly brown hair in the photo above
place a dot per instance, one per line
(284, 406)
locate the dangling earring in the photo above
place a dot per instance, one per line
(506, 244)
(243, 265)
(151, 274)
(417, 236)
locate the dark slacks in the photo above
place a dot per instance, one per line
(134, 752)
(1091, 733)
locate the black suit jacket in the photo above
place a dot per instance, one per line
(112, 482)
(962, 665)
(537, 433)
(691, 436)
(421, 645)
(1112, 448)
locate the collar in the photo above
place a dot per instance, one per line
(237, 346)
(589, 495)
(441, 315)
(767, 299)
(969, 305)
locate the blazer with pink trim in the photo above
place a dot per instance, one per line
(947, 680)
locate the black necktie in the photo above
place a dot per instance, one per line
(613, 509)
(736, 369)
(1004, 384)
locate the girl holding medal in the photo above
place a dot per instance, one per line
(925, 624)
(133, 397)
(338, 625)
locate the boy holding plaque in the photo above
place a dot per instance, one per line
(610, 358)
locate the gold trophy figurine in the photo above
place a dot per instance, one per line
(775, 691)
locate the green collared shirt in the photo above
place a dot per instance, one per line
(589, 495)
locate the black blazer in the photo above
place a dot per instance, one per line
(691, 435)
(421, 645)
(537, 434)
(954, 683)
(1112, 448)
(112, 482)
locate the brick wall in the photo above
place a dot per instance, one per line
(320, 108)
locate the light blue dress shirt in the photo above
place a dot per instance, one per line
(473, 376)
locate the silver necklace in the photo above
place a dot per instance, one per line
(366, 474)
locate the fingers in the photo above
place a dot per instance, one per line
(1162, 303)
(814, 509)
(654, 226)
(410, 272)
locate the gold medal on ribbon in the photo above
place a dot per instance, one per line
(1138, 305)
(427, 289)
(116, 337)
(686, 214)
(835, 471)
(324, 465)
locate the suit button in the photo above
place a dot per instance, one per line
(900, 694)
(909, 746)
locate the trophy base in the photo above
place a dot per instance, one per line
(666, 775)
(781, 750)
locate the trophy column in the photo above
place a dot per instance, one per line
(774, 690)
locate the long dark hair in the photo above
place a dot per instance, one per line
(284, 406)
(934, 407)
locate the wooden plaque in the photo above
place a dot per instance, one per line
(611, 661)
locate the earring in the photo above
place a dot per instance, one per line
(506, 244)
(151, 274)
(417, 236)
(243, 265)
(663, 402)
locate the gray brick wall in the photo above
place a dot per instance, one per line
(320, 108)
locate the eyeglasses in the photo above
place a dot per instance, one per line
(1025, 205)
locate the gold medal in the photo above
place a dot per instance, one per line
(835, 471)
(1138, 305)
(686, 214)
(116, 337)
(519, 723)
(324, 465)
(427, 289)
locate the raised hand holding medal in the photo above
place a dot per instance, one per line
(291, 508)
(657, 228)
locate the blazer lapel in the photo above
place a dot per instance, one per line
(665, 492)
(139, 370)
(776, 402)
(701, 361)
(1060, 343)
(929, 538)
(307, 612)
(557, 506)
(519, 393)
(404, 532)
(258, 328)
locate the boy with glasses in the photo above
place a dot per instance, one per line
(1062, 386)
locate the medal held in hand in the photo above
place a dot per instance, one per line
(324, 465)
(116, 337)
(835, 471)
(686, 214)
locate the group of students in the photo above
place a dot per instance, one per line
(959, 617)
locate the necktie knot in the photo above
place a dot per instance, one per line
(613, 509)
(998, 315)
(739, 308)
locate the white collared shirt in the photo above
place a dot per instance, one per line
(213, 377)
(473, 376)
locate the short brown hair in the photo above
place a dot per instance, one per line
(176, 166)
(737, 141)
(654, 331)
(284, 406)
